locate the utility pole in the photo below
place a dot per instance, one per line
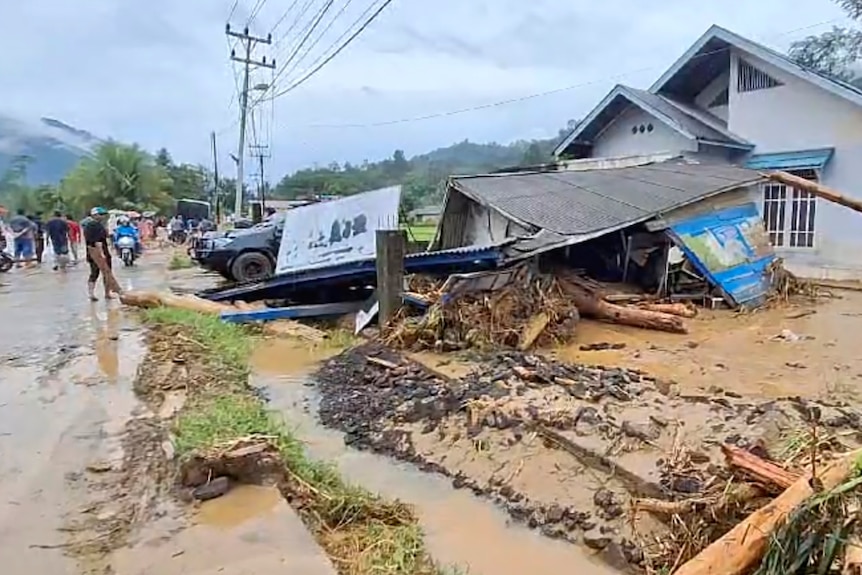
(248, 42)
(216, 192)
(260, 152)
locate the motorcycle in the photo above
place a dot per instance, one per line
(126, 247)
(6, 262)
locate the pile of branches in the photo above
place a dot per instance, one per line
(785, 285)
(496, 318)
(814, 533)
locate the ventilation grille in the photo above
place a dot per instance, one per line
(750, 78)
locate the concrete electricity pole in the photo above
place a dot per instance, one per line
(248, 42)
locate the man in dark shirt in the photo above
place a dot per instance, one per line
(96, 236)
(40, 236)
(57, 230)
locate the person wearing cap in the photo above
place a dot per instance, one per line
(96, 236)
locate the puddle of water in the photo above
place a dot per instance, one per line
(277, 356)
(266, 538)
(242, 503)
(460, 529)
(740, 352)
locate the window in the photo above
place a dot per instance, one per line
(788, 214)
(750, 79)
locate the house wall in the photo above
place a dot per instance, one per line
(712, 90)
(617, 139)
(797, 116)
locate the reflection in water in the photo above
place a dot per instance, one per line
(276, 356)
(107, 341)
(240, 504)
(460, 529)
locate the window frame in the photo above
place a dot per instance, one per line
(790, 210)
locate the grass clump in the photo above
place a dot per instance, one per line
(228, 344)
(362, 533)
(180, 261)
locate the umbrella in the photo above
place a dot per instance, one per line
(133, 214)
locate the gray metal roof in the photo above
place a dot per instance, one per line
(590, 201)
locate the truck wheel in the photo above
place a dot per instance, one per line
(251, 266)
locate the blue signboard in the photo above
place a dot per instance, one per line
(731, 249)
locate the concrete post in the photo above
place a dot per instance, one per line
(390, 273)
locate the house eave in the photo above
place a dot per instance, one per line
(732, 145)
(745, 45)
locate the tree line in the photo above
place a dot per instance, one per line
(114, 176)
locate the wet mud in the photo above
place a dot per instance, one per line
(561, 447)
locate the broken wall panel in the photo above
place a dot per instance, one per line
(731, 249)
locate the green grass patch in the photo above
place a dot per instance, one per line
(362, 533)
(420, 232)
(180, 261)
(227, 343)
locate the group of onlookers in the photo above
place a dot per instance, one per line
(28, 235)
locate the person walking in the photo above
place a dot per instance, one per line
(39, 237)
(96, 236)
(57, 230)
(23, 234)
(74, 236)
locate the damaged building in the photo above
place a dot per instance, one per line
(679, 228)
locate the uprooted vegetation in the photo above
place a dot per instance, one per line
(225, 430)
(565, 447)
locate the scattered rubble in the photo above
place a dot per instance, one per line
(521, 428)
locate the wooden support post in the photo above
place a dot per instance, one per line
(390, 273)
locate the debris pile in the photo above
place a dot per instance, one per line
(785, 285)
(518, 311)
(521, 427)
(526, 310)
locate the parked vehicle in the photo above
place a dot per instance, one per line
(242, 255)
(126, 247)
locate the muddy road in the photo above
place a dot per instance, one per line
(66, 371)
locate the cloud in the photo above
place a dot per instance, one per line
(158, 72)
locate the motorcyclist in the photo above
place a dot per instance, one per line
(126, 229)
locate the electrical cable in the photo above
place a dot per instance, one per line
(528, 96)
(313, 44)
(338, 50)
(284, 15)
(255, 11)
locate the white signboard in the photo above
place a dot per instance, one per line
(338, 231)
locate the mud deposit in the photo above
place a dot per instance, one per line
(561, 447)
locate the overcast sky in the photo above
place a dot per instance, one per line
(157, 72)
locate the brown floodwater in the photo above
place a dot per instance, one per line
(806, 350)
(461, 530)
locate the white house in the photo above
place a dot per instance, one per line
(732, 100)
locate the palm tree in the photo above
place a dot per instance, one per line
(118, 176)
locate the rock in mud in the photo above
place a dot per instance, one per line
(215, 488)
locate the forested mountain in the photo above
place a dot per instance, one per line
(420, 175)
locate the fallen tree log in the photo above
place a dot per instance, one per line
(678, 309)
(818, 190)
(590, 303)
(740, 549)
(770, 474)
(279, 328)
(109, 280)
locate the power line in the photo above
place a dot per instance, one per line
(296, 21)
(338, 50)
(284, 15)
(309, 30)
(233, 9)
(319, 38)
(255, 11)
(522, 98)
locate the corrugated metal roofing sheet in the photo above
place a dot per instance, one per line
(583, 202)
(800, 160)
